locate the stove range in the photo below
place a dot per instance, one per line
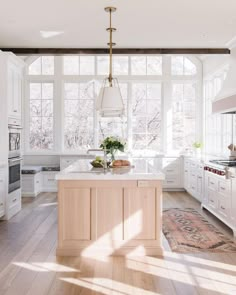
(226, 163)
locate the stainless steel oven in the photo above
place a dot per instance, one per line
(14, 141)
(14, 167)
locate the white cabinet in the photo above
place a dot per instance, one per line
(31, 184)
(172, 167)
(233, 204)
(194, 178)
(3, 192)
(14, 86)
(219, 198)
(13, 204)
(49, 183)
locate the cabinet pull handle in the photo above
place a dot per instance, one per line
(51, 179)
(212, 182)
(1, 204)
(15, 111)
(1, 180)
(185, 170)
(199, 177)
(223, 188)
(169, 170)
(14, 200)
(212, 201)
(169, 181)
(223, 208)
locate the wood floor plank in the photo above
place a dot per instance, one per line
(29, 265)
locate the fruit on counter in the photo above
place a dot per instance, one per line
(97, 162)
(120, 163)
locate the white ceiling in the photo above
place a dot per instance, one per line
(139, 23)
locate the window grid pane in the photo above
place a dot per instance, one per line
(41, 116)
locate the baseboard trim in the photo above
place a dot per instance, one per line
(123, 251)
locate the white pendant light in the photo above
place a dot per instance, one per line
(109, 101)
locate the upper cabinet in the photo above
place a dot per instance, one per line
(15, 80)
(11, 81)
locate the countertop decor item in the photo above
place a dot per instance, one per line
(112, 145)
(198, 146)
(110, 102)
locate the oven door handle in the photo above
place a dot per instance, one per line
(14, 127)
(15, 160)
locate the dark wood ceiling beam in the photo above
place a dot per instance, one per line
(63, 51)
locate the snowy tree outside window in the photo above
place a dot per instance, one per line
(159, 93)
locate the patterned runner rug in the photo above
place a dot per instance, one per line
(188, 231)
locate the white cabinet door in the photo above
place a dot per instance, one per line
(233, 202)
(2, 192)
(14, 90)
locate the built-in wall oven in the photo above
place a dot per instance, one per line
(14, 167)
(14, 158)
(14, 141)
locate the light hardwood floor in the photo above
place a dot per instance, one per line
(28, 264)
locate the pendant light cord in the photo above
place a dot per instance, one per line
(110, 74)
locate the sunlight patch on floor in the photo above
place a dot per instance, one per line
(184, 273)
(106, 286)
(45, 267)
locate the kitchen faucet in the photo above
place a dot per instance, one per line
(104, 156)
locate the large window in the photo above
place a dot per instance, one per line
(78, 115)
(159, 93)
(184, 115)
(41, 116)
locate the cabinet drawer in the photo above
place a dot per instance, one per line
(224, 187)
(170, 163)
(212, 199)
(212, 183)
(170, 170)
(172, 181)
(14, 198)
(224, 207)
(49, 180)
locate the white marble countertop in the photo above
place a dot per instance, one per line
(82, 170)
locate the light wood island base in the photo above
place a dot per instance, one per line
(109, 217)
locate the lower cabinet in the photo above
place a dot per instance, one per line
(219, 198)
(13, 204)
(115, 217)
(33, 184)
(173, 178)
(49, 183)
(194, 178)
(3, 192)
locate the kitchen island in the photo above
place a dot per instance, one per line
(113, 212)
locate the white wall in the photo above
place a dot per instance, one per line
(213, 63)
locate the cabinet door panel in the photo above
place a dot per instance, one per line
(108, 213)
(76, 214)
(139, 213)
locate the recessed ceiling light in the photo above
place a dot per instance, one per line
(50, 34)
